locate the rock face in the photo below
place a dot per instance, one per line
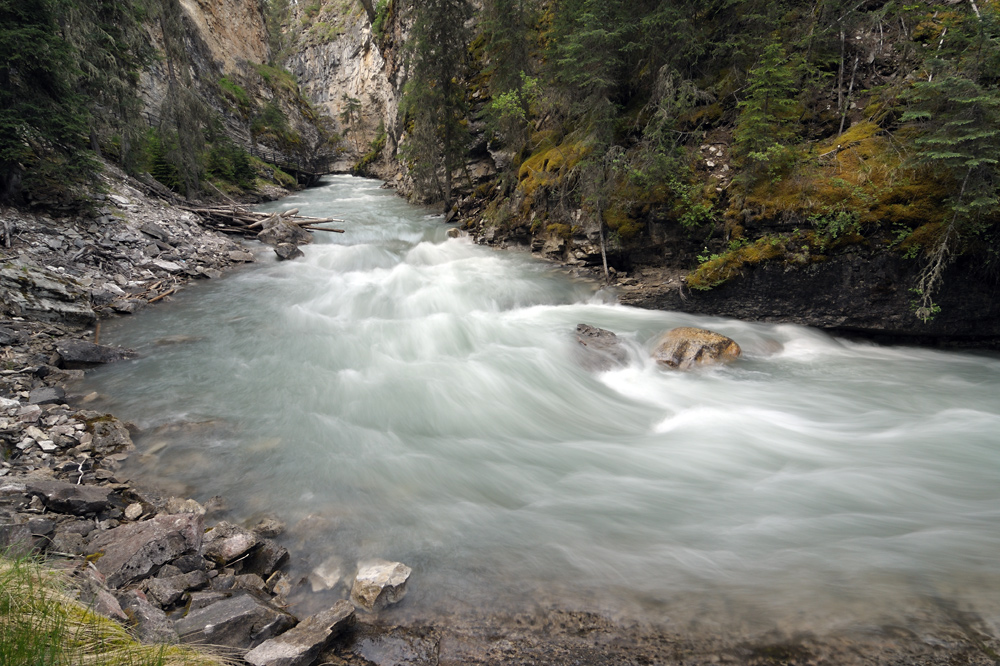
(685, 348)
(134, 551)
(350, 64)
(301, 645)
(379, 584)
(864, 292)
(599, 350)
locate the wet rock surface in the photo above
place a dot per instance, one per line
(599, 350)
(686, 347)
(379, 584)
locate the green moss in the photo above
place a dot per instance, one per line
(719, 269)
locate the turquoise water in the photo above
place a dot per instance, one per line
(402, 395)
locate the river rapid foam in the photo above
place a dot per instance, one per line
(399, 394)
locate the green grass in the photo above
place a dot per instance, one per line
(42, 625)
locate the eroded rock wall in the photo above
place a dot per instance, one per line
(337, 57)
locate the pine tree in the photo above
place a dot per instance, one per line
(765, 126)
(43, 119)
(435, 96)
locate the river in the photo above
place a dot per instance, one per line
(398, 394)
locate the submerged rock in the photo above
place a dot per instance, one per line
(379, 584)
(599, 350)
(686, 347)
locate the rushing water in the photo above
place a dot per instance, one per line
(398, 394)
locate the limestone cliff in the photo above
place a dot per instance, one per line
(338, 62)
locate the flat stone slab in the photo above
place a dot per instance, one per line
(301, 645)
(136, 551)
(46, 395)
(237, 621)
(81, 355)
(63, 497)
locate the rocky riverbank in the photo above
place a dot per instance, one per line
(157, 564)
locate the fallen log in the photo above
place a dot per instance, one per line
(309, 228)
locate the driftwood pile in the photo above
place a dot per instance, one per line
(241, 220)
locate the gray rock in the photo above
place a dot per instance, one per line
(301, 645)
(151, 624)
(65, 497)
(686, 347)
(9, 337)
(226, 542)
(599, 350)
(279, 232)
(80, 354)
(167, 266)
(240, 256)
(47, 395)
(153, 230)
(110, 436)
(15, 539)
(288, 251)
(38, 293)
(135, 551)
(167, 591)
(127, 305)
(265, 558)
(239, 621)
(189, 563)
(379, 584)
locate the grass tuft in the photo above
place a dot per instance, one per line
(42, 625)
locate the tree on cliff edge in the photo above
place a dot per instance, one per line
(435, 95)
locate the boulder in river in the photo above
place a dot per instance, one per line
(687, 347)
(599, 350)
(379, 584)
(278, 232)
(288, 251)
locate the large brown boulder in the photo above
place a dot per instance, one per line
(686, 347)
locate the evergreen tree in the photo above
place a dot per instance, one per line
(765, 127)
(43, 119)
(112, 47)
(435, 96)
